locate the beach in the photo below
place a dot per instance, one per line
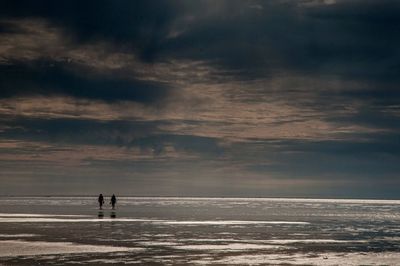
(199, 231)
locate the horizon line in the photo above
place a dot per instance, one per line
(201, 197)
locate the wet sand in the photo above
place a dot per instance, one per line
(181, 231)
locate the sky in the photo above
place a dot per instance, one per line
(279, 98)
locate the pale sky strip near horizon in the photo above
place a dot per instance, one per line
(200, 98)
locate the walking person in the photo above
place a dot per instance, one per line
(101, 201)
(113, 201)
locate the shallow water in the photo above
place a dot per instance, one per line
(199, 231)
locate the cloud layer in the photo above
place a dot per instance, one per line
(205, 98)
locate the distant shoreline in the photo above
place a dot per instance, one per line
(206, 197)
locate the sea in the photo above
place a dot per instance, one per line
(199, 231)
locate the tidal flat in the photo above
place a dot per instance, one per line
(199, 231)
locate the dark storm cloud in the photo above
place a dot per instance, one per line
(349, 39)
(354, 39)
(295, 38)
(118, 133)
(130, 27)
(370, 157)
(378, 117)
(332, 167)
(367, 145)
(76, 131)
(49, 78)
(143, 24)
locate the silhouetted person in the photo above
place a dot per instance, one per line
(113, 201)
(101, 201)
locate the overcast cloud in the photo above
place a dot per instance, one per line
(200, 98)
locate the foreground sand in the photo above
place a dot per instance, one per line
(159, 231)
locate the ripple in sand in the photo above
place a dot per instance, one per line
(13, 248)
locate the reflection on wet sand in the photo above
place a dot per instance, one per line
(174, 231)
